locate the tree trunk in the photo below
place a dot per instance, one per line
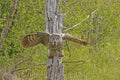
(55, 70)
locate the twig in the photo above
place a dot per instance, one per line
(21, 62)
(1, 43)
(41, 64)
(93, 12)
(9, 23)
(76, 24)
(15, 66)
(74, 61)
(68, 46)
(81, 21)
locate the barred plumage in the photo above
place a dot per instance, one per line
(34, 39)
(43, 38)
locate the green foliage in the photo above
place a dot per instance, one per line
(99, 61)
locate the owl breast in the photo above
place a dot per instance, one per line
(55, 45)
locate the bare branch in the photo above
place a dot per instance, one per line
(68, 47)
(41, 64)
(44, 64)
(9, 76)
(79, 61)
(1, 43)
(23, 61)
(9, 23)
(81, 21)
(76, 24)
(93, 12)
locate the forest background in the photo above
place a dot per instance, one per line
(97, 21)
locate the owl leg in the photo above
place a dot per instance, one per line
(53, 52)
(61, 54)
(51, 55)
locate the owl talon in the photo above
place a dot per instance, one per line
(61, 55)
(51, 57)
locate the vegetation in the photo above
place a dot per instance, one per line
(97, 21)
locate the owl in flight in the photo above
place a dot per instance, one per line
(43, 38)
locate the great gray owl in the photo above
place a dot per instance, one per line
(55, 45)
(52, 41)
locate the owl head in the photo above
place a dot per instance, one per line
(54, 39)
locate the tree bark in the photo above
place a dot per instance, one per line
(55, 70)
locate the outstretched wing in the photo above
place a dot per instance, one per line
(73, 39)
(34, 39)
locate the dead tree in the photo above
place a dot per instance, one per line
(54, 25)
(55, 69)
(53, 40)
